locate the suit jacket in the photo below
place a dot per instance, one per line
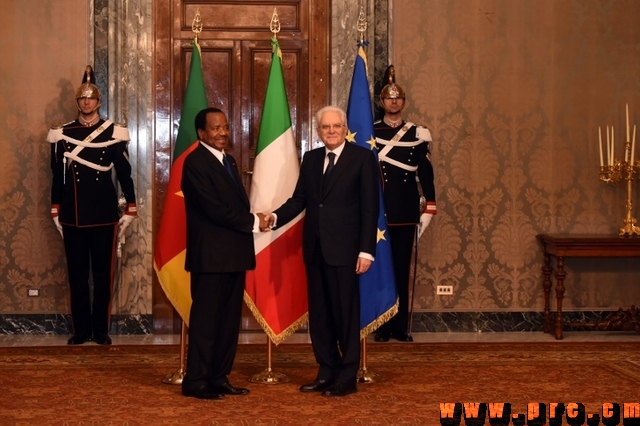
(219, 223)
(344, 215)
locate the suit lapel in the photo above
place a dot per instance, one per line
(219, 169)
(236, 182)
(316, 165)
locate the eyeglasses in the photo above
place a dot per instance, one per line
(326, 127)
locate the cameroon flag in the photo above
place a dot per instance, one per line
(171, 245)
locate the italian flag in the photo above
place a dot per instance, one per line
(276, 291)
(171, 244)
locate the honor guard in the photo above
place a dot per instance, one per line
(85, 154)
(403, 151)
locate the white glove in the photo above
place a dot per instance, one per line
(123, 224)
(56, 221)
(425, 220)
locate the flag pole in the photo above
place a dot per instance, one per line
(176, 378)
(364, 375)
(268, 376)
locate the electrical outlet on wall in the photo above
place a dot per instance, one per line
(444, 290)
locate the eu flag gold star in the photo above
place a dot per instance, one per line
(372, 142)
(381, 235)
(351, 137)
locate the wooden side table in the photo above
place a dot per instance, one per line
(577, 245)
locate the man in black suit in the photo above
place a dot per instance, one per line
(219, 252)
(338, 187)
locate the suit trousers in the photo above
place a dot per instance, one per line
(334, 318)
(402, 240)
(92, 249)
(214, 324)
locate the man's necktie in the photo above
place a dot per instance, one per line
(227, 166)
(332, 158)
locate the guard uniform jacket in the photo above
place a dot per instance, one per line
(401, 196)
(83, 186)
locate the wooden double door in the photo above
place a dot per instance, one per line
(236, 48)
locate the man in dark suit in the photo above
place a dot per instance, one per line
(338, 187)
(219, 252)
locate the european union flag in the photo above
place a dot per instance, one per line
(378, 295)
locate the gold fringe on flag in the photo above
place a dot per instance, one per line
(373, 326)
(277, 338)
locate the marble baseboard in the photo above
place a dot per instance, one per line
(60, 324)
(431, 322)
(443, 322)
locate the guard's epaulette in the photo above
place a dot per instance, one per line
(423, 133)
(121, 132)
(54, 134)
(60, 126)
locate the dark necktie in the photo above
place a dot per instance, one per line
(227, 166)
(332, 158)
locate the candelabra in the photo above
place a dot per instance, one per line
(616, 170)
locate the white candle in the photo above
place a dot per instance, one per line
(633, 145)
(600, 144)
(612, 150)
(628, 140)
(608, 148)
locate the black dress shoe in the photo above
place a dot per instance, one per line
(381, 337)
(343, 389)
(402, 337)
(102, 339)
(229, 389)
(76, 340)
(318, 385)
(203, 392)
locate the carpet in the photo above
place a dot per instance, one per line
(121, 385)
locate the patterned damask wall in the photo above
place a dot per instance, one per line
(41, 51)
(45, 47)
(514, 92)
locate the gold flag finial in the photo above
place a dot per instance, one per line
(196, 25)
(361, 26)
(275, 23)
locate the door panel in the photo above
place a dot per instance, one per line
(236, 57)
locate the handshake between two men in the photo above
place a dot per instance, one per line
(267, 221)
